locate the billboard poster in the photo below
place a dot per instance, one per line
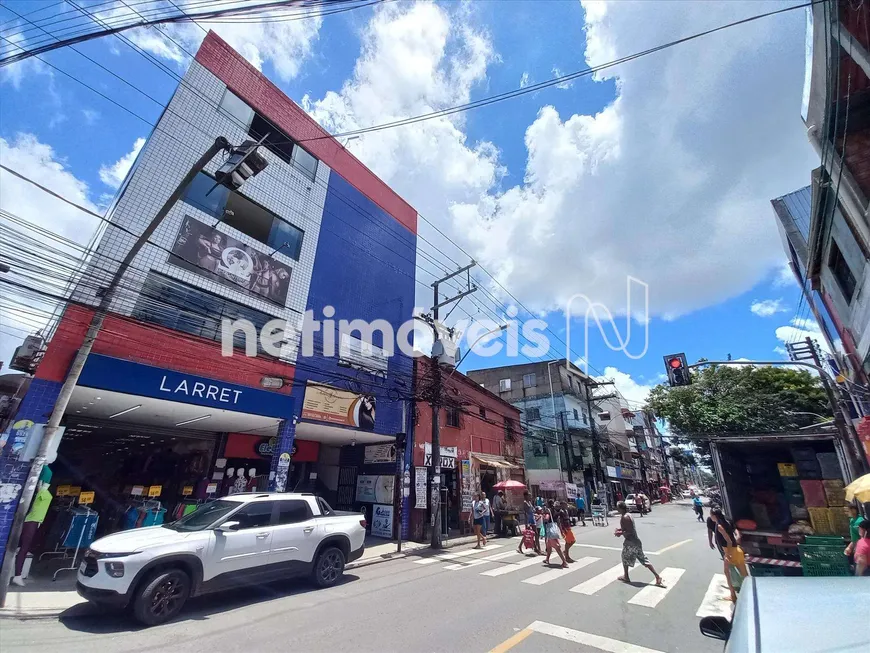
(323, 403)
(218, 256)
(420, 481)
(382, 521)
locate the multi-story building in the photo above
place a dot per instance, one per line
(837, 234)
(554, 399)
(159, 409)
(481, 443)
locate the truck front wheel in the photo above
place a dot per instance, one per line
(328, 567)
(161, 597)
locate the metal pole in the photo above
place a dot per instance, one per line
(50, 431)
(555, 423)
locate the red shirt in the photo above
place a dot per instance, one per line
(862, 548)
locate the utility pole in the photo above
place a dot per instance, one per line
(555, 419)
(436, 399)
(247, 162)
(600, 479)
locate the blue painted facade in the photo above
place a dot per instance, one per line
(36, 407)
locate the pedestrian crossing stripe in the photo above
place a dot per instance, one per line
(717, 599)
(553, 574)
(514, 566)
(651, 595)
(481, 561)
(598, 582)
(455, 554)
(598, 642)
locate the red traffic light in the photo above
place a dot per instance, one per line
(675, 363)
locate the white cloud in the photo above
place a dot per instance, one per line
(629, 182)
(112, 175)
(562, 85)
(799, 329)
(90, 115)
(768, 307)
(38, 161)
(525, 80)
(634, 392)
(784, 277)
(285, 44)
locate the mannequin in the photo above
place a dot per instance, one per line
(228, 481)
(252, 479)
(241, 485)
(32, 522)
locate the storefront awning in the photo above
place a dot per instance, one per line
(494, 461)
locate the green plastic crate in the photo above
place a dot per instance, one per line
(825, 540)
(766, 570)
(824, 559)
(826, 568)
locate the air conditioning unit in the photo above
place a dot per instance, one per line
(24, 356)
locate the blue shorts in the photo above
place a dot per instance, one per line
(479, 521)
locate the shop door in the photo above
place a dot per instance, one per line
(246, 547)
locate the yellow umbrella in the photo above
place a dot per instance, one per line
(859, 489)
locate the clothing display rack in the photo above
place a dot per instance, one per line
(82, 527)
(143, 512)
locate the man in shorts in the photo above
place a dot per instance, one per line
(580, 502)
(632, 548)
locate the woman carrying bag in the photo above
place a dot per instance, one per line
(551, 535)
(480, 512)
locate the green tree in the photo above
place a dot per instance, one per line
(726, 399)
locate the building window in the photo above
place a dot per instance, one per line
(236, 108)
(508, 429)
(576, 415)
(842, 272)
(283, 146)
(585, 418)
(239, 212)
(539, 448)
(452, 417)
(180, 307)
(483, 412)
(533, 414)
(530, 380)
(504, 385)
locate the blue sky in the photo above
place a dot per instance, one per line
(662, 170)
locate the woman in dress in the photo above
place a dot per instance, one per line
(551, 534)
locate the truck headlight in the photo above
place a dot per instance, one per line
(115, 569)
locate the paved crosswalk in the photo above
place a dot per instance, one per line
(590, 571)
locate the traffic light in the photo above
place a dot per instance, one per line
(678, 370)
(243, 163)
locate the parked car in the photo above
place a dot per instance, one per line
(805, 614)
(632, 503)
(242, 539)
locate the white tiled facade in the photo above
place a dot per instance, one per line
(186, 130)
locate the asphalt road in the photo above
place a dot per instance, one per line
(493, 600)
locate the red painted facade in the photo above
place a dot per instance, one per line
(252, 86)
(154, 345)
(478, 433)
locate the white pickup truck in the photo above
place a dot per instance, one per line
(242, 539)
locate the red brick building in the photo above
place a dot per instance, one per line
(481, 444)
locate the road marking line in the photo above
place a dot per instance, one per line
(598, 582)
(599, 546)
(595, 641)
(717, 599)
(670, 548)
(514, 566)
(455, 554)
(482, 561)
(553, 574)
(650, 595)
(509, 643)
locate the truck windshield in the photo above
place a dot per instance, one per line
(204, 516)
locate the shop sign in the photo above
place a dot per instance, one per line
(108, 373)
(626, 473)
(382, 521)
(267, 447)
(421, 477)
(204, 250)
(323, 403)
(611, 472)
(187, 490)
(380, 453)
(155, 490)
(62, 491)
(86, 498)
(211, 488)
(448, 456)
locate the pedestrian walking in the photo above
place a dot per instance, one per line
(531, 537)
(551, 534)
(862, 549)
(499, 505)
(632, 548)
(564, 521)
(580, 502)
(854, 519)
(480, 512)
(699, 508)
(728, 538)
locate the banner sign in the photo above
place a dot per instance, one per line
(382, 521)
(611, 472)
(448, 456)
(380, 453)
(213, 254)
(323, 403)
(372, 488)
(421, 478)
